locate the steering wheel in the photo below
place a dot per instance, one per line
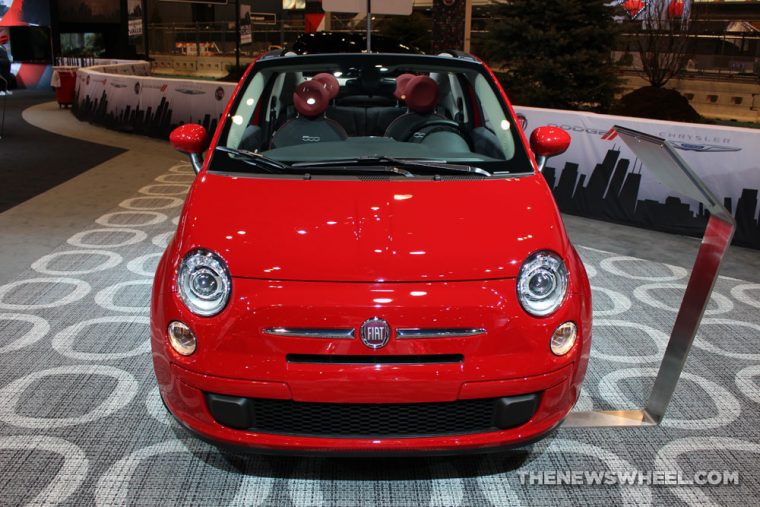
(441, 125)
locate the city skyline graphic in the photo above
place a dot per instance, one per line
(611, 192)
(158, 123)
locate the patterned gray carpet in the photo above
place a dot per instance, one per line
(81, 421)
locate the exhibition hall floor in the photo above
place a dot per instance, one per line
(81, 421)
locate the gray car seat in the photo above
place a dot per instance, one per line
(311, 100)
(421, 95)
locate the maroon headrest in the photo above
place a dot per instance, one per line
(330, 82)
(311, 98)
(401, 82)
(421, 94)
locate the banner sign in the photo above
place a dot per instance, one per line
(656, 13)
(24, 12)
(123, 97)
(213, 2)
(135, 18)
(401, 7)
(246, 30)
(263, 18)
(599, 177)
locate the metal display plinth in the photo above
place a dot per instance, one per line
(670, 169)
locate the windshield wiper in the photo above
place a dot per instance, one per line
(275, 166)
(256, 159)
(401, 162)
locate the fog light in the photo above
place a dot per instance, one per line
(563, 338)
(181, 338)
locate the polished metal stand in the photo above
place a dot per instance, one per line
(670, 169)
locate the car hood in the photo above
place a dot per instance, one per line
(370, 231)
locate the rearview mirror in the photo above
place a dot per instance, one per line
(548, 142)
(191, 139)
(522, 120)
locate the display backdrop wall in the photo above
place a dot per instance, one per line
(122, 96)
(600, 177)
(597, 177)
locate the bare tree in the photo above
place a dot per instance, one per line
(665, 39)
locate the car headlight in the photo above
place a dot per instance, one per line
(204, 282)
(542, 283)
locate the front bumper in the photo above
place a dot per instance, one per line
(237, 358)
(186, 397)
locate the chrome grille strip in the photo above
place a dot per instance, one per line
(306, 332)
(411, 333)
(374, 359)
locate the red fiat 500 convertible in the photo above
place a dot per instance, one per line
(370, 261)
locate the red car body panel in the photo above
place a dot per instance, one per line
(357, 231)
(183, 394)
(332, 254)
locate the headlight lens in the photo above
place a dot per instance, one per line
(542, 283)
(204, 282)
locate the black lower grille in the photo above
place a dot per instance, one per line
(372, 420)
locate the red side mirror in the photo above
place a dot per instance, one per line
(191, 138)
(549, 141)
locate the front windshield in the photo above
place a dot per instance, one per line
(316, 111)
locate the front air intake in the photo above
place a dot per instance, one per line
(370, 420)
